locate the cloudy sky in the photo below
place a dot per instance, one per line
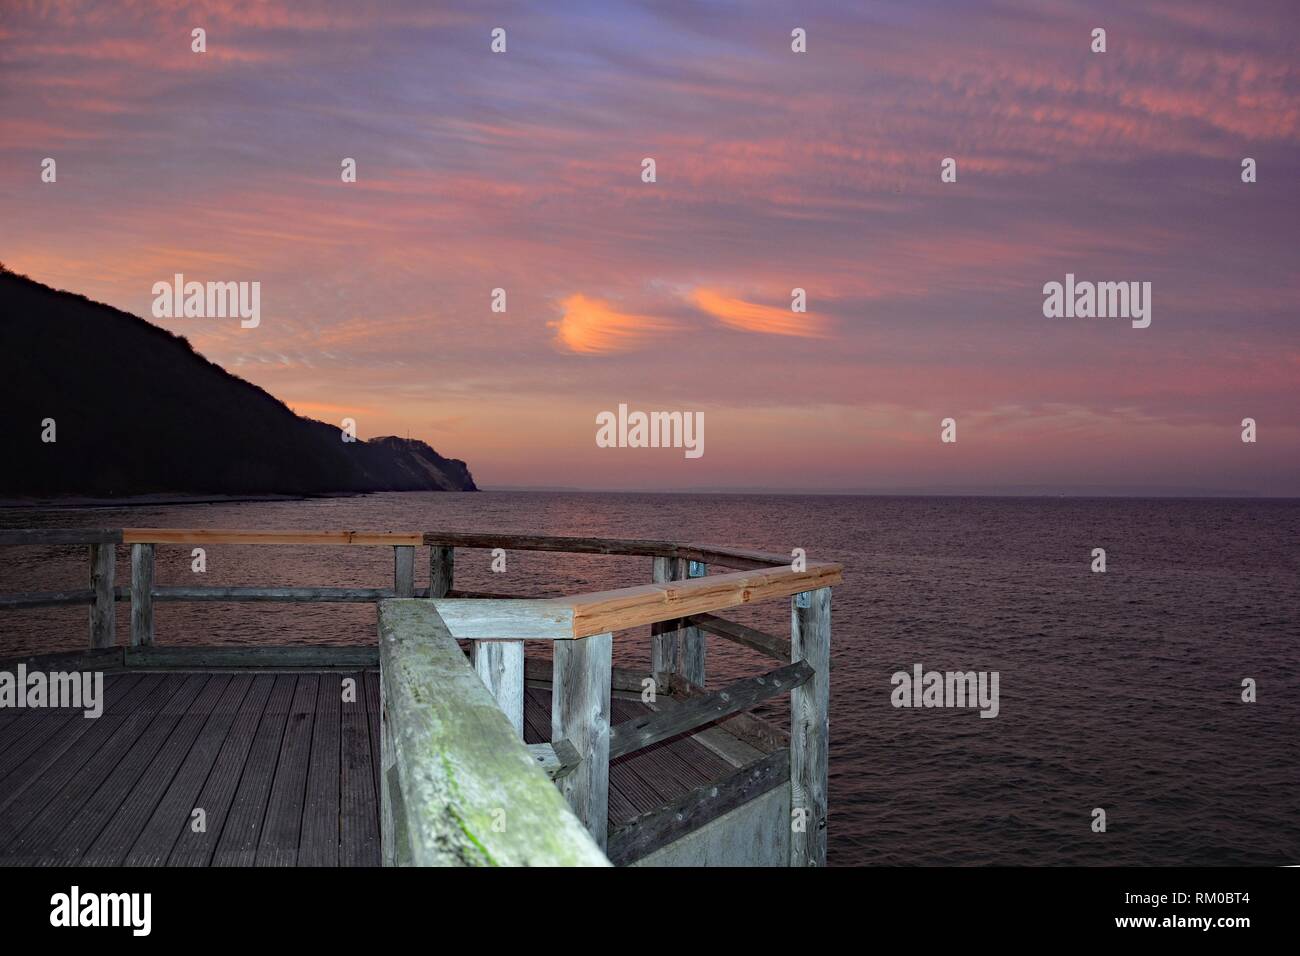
(775, 170)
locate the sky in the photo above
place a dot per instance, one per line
(774, 170)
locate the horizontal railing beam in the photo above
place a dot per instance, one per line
(696, 712)
(624, 608)
(623, 679)
(302, 656)
(220, 536)
(302, 595)
(538, 542)
(746, 726)
(558, 759)
(775, 647)
(305, 595)
(741, 558)
(641, 836)
(31, 536)
(46, 599)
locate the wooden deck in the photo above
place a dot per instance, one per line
(285, 771)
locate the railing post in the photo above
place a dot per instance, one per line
(692, 637)
(404, 571)
(501, 666)
(663, 635)
(810, 642)
(580, 715)
(103, 612)
(142, 562)
(442, 564)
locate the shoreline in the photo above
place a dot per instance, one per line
(145, 501)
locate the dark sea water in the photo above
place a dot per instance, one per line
(1119, 690)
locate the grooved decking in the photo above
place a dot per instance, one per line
(284, 769)
(280, 764)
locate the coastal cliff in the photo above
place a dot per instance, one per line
(137, 411)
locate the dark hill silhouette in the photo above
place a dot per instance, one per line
(139, 412)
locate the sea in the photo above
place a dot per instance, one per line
(1119, 691)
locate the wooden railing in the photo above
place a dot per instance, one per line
(679, 607)
(457, 788)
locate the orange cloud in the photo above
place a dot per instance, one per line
(752, 317)
(593, 326)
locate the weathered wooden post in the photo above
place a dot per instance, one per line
(692, 637)
(810, 642)
(142, 562)
(103, 611)
(404, 571)
(664, 634)
(501, 666)
(580, 714)
(442, 564)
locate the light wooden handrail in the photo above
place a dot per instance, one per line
(221, 536)
(622, 608)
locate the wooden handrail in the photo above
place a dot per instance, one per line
(737, 558)
(220, 536)
(52, 536)
(452, 765)
(623, 608)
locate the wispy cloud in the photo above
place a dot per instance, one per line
(756, 317)
(593, 326)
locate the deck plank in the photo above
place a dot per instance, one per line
(645, 787)
(282, 826)
(359, 802)
(77, 833)
(318, 844)
(41, 742)
(197, 848)
(33, 819)
(243, 823)
(137, 806)
(173, 813)
(374, 708)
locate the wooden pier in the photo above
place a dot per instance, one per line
(440, 743)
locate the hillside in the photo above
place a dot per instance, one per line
(139, 412)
